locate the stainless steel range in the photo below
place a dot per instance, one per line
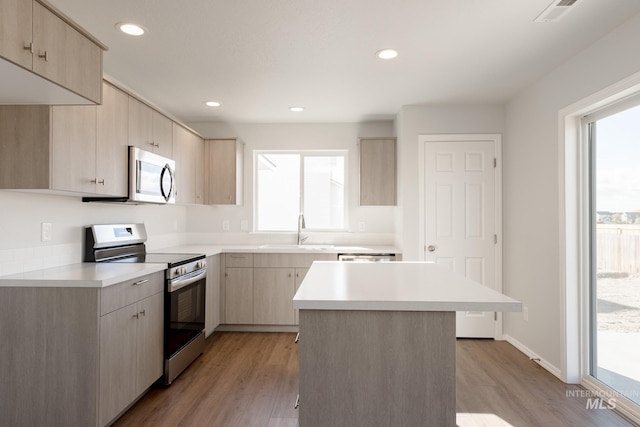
(185, 280)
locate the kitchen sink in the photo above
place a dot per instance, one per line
(294, 246)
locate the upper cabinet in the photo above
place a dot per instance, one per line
(188, 152)
(223, 170)
(377, 171)
(79, 149)
(35, 37)
(149, 130)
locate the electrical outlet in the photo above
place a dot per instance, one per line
(244, 225)
(362, 227)
(225, 225)
(46, 231)
(525, 314)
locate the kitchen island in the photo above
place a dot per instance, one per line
(377, 342)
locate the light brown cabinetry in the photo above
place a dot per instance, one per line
(79, 149)
(16, 31)
(79, 355)
(213, 294)
(259, 287)
(39, 38)
(223, 169)
(377, 171)
(273, 290)
(149, 130)
(188, 153)
(131, 342)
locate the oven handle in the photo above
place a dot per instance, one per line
(186, 280)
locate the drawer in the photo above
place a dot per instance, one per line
(122, 294)
(291, 260)
(238, 260)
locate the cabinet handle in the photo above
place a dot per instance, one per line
(29, 47)
(137, 315)
(44, 56)
(297, 338)
(140, 282)
(154, 144)
(143, 312)
(289, 274)
(297, 405)
(95, 181)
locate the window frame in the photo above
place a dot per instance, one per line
(344, 153)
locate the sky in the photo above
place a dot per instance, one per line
(618, 162)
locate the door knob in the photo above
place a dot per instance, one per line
(431, 248)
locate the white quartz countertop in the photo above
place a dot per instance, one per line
(89, 274)
(210, 250)
(395, 286)
(86, 274)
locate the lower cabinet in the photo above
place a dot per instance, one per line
(131, 352)
(259, 288)
(78, 356)
(238, 292)
(273, 290)
(212, 304)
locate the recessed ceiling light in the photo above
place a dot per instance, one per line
(387, 53)
(296, 109)
(131, 29)
(212, 103)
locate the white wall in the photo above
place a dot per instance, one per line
(205, 222)
(531, 185)
(22, 213)
(416, 120)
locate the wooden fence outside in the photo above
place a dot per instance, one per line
(618, 248)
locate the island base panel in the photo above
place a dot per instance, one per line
(377, 368)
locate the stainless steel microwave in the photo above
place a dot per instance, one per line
(151, 177)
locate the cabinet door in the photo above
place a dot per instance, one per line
(150, 333)
(117, 361)
(377, 172)
(221, 174)
(140, 125)
(238, 293)
(199, 168)
(65, 56)
(16, 31)
(184, 153)
(112, 156)
(73, 136)
(273, 290)
(212, 309)
(300, 273)
(162, 135)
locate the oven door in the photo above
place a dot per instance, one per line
(184, 311)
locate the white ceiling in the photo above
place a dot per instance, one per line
(259, 57)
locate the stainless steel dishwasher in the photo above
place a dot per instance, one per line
(367, 257)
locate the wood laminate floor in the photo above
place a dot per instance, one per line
(251, 379)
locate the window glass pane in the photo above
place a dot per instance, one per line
(278, 191)
(616, 252)
(324, 192)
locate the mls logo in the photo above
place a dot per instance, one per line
(600, 403)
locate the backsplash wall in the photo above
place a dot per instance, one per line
(22, 213)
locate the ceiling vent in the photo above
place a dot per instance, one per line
(555, 11)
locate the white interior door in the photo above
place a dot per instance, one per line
(461, 217)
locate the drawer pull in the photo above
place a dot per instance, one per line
(297, 338)
(141, 282)
(44, 56)
(143, 312)
(297, 405)
(29, 47)
(137, 315)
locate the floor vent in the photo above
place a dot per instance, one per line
(555, 11)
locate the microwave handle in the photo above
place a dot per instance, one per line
(167, 195)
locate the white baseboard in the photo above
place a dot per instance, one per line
(533, 356)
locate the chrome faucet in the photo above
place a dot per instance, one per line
(301, 225)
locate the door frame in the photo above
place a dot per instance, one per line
(496, 138)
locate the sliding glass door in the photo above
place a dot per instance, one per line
(614, 139)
